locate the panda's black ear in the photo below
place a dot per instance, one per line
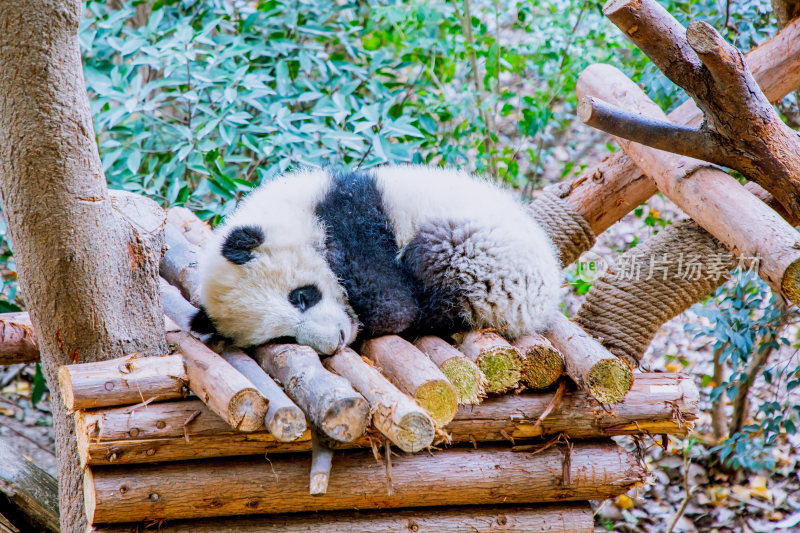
(201, 323)
(239, 244)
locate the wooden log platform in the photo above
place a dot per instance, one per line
(463, 476)
(123, 381)
(219, 385)
(604, 375)
(463, 374)
(658, 403)
(328, 400)
(284, 420)
(500, 362)
(394, 414)
(570, 517)
(414, 373)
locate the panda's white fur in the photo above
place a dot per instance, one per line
(463, 231)
(248, 303)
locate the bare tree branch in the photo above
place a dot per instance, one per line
(646, 130)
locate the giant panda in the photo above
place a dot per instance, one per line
(323, 256)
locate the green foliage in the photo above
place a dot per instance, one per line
(744, 317)
(39, 386)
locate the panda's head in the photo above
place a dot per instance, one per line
(259, 284)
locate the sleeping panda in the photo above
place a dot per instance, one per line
(322, 256)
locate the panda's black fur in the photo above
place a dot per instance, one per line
(361, 250)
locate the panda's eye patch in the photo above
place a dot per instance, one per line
(238, 246)
(305, 297)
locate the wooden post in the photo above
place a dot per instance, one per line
(414, 373)
(550, 518)
(395, 415)
(219, 385)
(123, 381)
(284, 420)
(542, 364)
(500, 362)
(657, 404)
(328, 400)
(489, 475)
(321, 463)
(592, 367)
(466, 377)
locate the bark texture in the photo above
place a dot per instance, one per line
(500, 362)
(395, 414)
(414, 373)
(68, 239)
(490, 475)
(597, 371)
(328, 400)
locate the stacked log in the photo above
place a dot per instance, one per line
(415, 374)
(500, 362)
(551, 518)
(187, 429)
(463, 476)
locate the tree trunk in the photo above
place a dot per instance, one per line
(88, 273)
(544, 518)
(464, 476)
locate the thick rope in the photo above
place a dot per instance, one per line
(568, 230)
(651, 284)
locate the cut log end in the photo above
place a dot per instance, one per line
(439, 399)
(790, 284)
(89, 495)
(502, 368)
(542, 363)
(609, 380)
(288, 424)
(612, 6)
(319, 484)
(247, 409)
(65, 383)
(467, 378)
(542, 369)
(346, 419)
(415, 432)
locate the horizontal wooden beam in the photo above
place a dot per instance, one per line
(463, 476)
(658, 403)
(550, 518)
